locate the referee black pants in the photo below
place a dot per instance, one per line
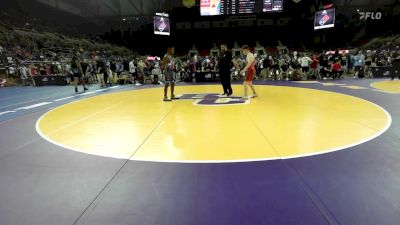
(226, 82)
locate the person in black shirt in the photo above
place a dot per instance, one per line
(225, 65)
(396, 68)
(77, 73)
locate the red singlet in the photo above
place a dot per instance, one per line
(251, 71)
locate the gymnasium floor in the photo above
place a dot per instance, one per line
(302, 153)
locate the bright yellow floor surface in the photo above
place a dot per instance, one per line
(388, 86)
(283, 122)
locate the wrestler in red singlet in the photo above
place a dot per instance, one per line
(251, 72)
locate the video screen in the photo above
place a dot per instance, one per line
(210, 7)
(245, 7)
(324, 19)
(235, 7)
(161, 25)
(273, 6)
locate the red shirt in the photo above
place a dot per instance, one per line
(314, 63)
(336, 67)
(33, 71)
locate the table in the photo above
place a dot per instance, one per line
(201, 76)
(43, 80)
(384, 71)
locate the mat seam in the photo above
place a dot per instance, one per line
(120, 169)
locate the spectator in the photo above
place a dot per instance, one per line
(3, 82)
(358, 65)
(336, 70)
(396, 68)
(305, 65)
(11, 71)
(132, 71)
(325, 69)
(120, 68)
(141, 66)
(284, 67)
(155, 74)
(33, 70)
(102, 72)
(77, 71)
(314, 66)
(368, 63)
(23, 71)
(42, 70)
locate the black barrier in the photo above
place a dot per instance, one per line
(202, 76)
(50, 80)
(384, 71)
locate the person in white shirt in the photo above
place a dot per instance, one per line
(359, 63)
(24, 74)
(68, 72)
(11, 71)
(305, 62)
(250, 71)
(132, 70)
(110, 74)
(59, 67)
(155, 74)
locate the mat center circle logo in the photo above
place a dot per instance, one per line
(213, 99)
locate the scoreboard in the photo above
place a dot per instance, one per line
(234, 7)
(273, 5)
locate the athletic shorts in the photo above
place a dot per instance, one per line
(305, 69)
(169, 77)
(77, 75)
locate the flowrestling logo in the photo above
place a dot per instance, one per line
(370, 15)
(212, 99)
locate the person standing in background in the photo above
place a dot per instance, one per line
(396, 68)
(132, 71)
(305, 62)
(24, 74)
(359, 61)
(102, 72)
(110, 75)
(155, 74)
(141, 66)
(168, 66)
(77, 73)
(314, 66)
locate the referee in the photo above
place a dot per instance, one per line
(225, 65)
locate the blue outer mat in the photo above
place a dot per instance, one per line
(43, 184)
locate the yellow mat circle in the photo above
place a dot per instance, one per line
(391, 86)
(283, 122)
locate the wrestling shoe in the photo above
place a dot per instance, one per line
(166, 99)
(174, 98)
